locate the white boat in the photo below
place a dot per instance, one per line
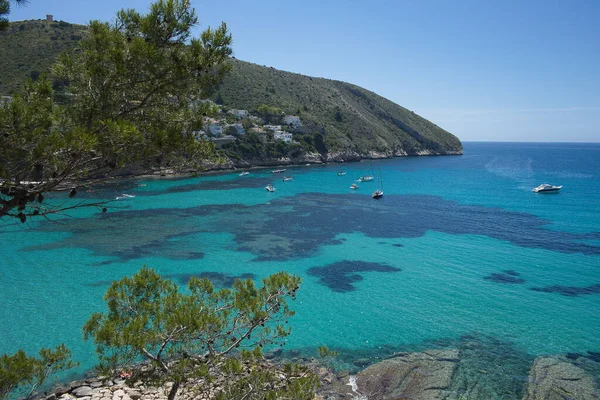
(544, 188)
(245, 173)
(354, 186)
(366, 178)
(278, 171)
(341, 173)
(270, 188)
(287, 178)
(124, 196)
(377, 194)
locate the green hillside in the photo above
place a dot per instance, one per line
(347, 117)
(29, 48)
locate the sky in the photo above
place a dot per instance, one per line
(484, 70)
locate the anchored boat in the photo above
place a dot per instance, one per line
(545, 188)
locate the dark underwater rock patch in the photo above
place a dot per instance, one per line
(297, 226)
(506, 277)
(218, 279)
(340, 276)
(230, 184)
(569, 291)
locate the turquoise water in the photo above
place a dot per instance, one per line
(458, 248)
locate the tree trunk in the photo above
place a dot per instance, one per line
(174, 390)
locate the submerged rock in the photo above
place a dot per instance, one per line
(415, 376)
(553, 379)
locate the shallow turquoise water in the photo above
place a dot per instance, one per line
(458, 246)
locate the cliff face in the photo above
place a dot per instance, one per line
(350, 118)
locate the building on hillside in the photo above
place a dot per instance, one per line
(223, 140)
(49, 18)
(240, 129)
(274, 128)
(239, 113)
(292, 120)
(215, 129)
(200, 135)
(283, 136)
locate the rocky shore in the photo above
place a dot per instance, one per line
(426, 375)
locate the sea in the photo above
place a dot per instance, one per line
(459, 253)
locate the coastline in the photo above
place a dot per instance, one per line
(309, 159)
(424, 375)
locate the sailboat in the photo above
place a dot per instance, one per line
(379, 192)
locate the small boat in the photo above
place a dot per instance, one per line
(287, 178)
(366, 178)
(270, 188)
(278, 171)
(124, 196)
(354, 186)
(245, 173)
(544, 188)
(341, 173)
(379, 192)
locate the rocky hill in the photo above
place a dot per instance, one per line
(349, 117)
(351, 122)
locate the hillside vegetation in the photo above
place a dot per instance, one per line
(349, 118)
(29, 48)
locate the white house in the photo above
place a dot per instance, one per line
(274, 128)
(239, 113)
(283, 136)
(292, 120)
(215, 129)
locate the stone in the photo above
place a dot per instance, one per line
(82, 391)
(60, 390)
(554, 379)
(134, 394)
(416, 376)
(51, 397)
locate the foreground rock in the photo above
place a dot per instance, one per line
(415, 376)
(553, 379)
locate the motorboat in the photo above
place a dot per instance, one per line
(545, 188)
(245, 173)
(278, 171)
(366, 178)
(270, 188)
(341, 173)
(377, 194)
(287, 178)
(354, 186)
(124, 196)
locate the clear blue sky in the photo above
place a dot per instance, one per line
(505, 70)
